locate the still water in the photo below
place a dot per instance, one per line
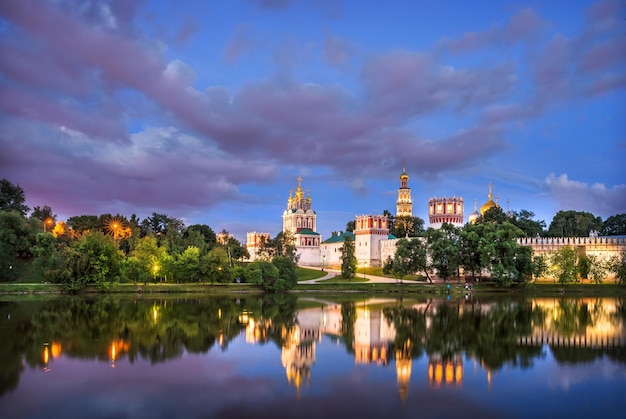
(286, 356)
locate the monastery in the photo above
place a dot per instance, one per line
(373, 243)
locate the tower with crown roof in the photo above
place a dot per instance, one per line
(404, 204)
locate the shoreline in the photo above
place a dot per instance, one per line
(439, 289)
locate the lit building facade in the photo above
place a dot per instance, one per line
(445, 210)
(404, 204)
(369, 231)
(300, 221)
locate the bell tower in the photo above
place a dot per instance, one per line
(404, 204)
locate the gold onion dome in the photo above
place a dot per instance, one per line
(490, 203)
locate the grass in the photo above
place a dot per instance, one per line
(340, 280)
(305, 274)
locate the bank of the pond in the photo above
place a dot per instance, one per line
(408, 287)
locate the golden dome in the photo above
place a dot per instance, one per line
(489, 204)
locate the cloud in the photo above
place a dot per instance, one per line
(188, 28)
(524, 25)
(404, 83)
(273, 4)
(595, 198)
(337, 51)
(241, 42)
(160, 168)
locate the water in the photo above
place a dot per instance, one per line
(340, 356)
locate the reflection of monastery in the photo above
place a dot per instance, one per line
(373, 244)
(599, 331)
(375, 340)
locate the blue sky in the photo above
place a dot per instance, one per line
(208, 111)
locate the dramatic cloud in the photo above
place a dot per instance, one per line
(115, 111)
(595, 198)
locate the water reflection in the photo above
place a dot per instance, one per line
(431, 345)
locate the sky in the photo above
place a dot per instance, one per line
(208, 111)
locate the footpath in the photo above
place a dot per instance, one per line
(331, 273)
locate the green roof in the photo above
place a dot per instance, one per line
(339, 238)
(307, 231)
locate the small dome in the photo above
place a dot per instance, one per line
(473, 217)
(404, 176)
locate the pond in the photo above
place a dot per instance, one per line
(290, 356)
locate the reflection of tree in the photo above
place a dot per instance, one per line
(492, 336)
(410, 326)
(348, 319)
(157, 329)
(574, 317)
(13, 320)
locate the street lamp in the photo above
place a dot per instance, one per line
(47, 221)
(323, 262)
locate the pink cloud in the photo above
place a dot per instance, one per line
(337, 51)
(604, 55)
(241, 42)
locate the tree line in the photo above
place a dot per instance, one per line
(490, 244)
(102, 250)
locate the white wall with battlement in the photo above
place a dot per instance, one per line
(601, 247)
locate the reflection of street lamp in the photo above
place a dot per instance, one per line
(46, 357)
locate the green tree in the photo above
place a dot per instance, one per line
(215, 266)
(43, 214)
(494, 215)
(472, 243)
(196, 233)
(406, 226)
(287, 277)
(48, 260)
(82, 223)
(540, 266)
(563, 265)
(281, 245)
(409, 258)
(505, 256)
(525, 222)
(93, 259)
(583, 266)
(574, 224)
(151, 258)
(188, 265)
(617, 265)
(615, 225)
(350, 225)
(443, 249)
(236, 251)
(348, 259)
(15, 243)
(12, 198)
(598, 268)
(264, 273)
